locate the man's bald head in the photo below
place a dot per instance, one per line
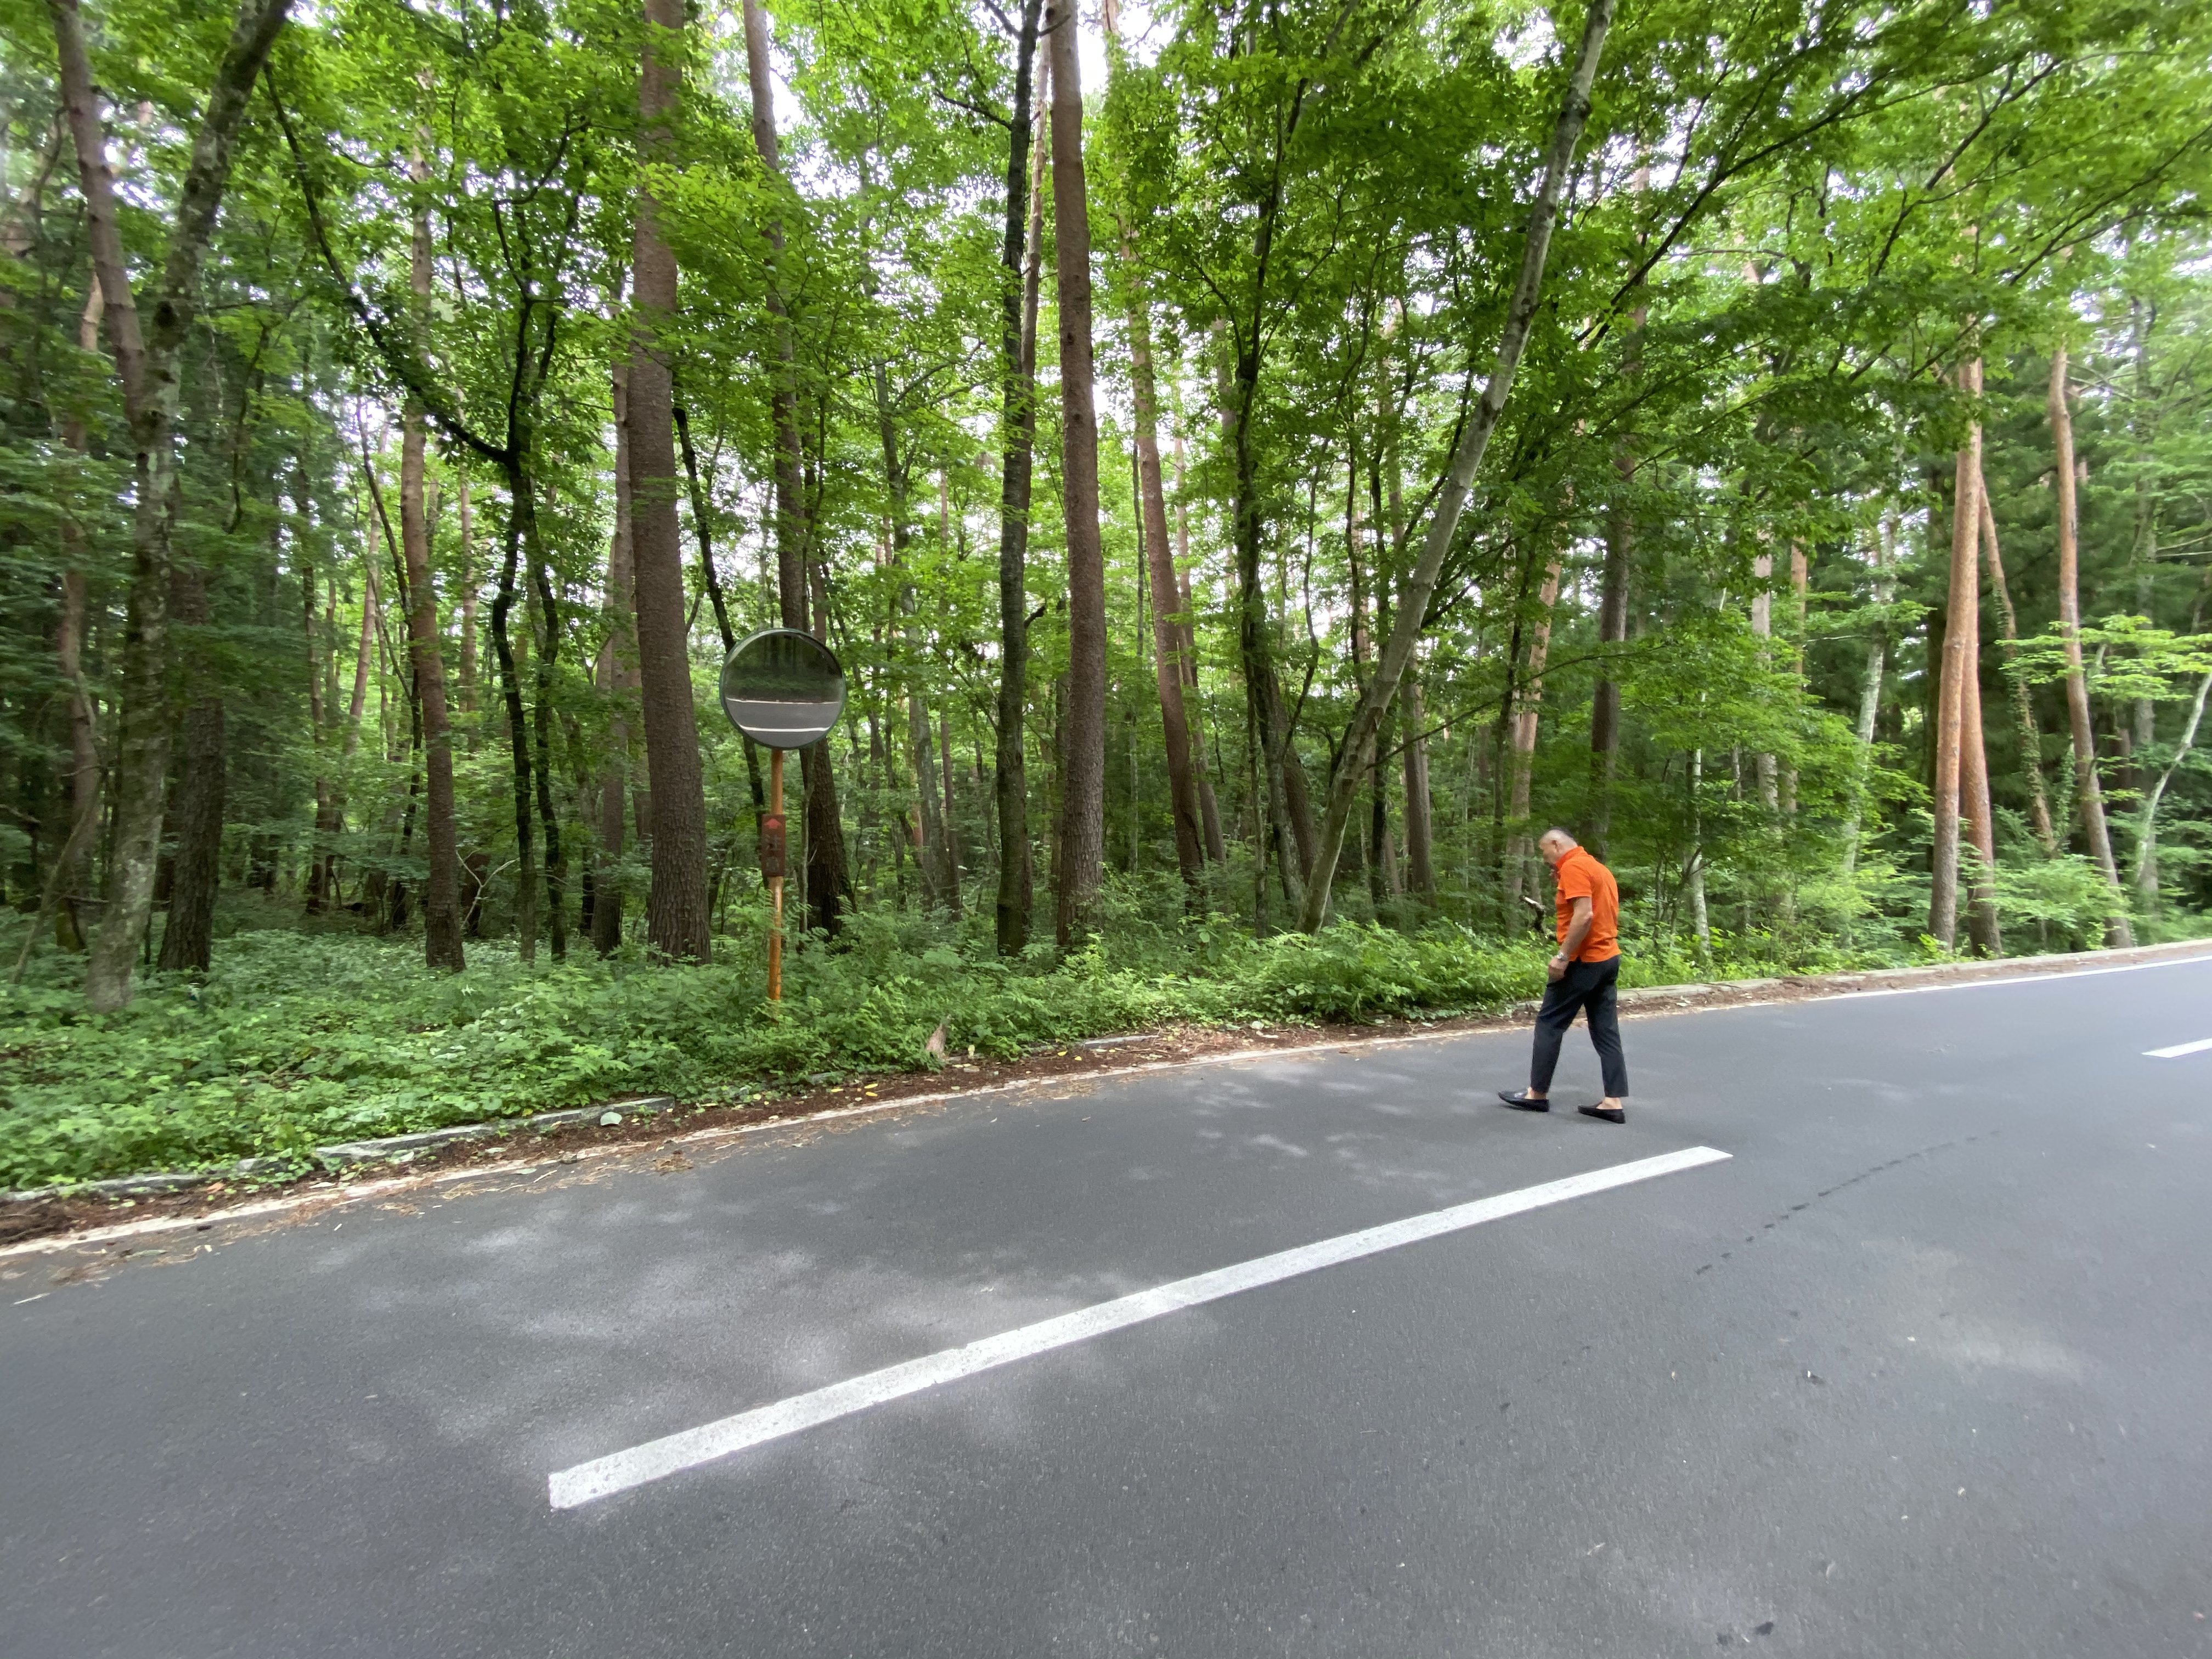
(1555, 844)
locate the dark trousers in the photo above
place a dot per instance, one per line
(1585, 984)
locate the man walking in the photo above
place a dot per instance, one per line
(1583, 976)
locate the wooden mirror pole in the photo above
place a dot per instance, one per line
(775, 881)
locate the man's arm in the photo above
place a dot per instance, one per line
(1578, 926)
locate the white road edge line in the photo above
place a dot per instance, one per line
(1984, 984)
(619, 1471)
(2178, 1050)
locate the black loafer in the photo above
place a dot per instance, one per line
(1519, 1101)
(1610, 1114)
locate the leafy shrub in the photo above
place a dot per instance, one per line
(301, 1039)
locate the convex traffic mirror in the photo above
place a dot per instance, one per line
(782, 688)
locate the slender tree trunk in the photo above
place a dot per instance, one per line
(1209, 809)
(1787, 786)
(317, 883)
(548, 614)
(1694, 877)
(1762, 629)
(1019, 260)
(188, 940)
(932, 862)
(619, 681)
(1612, 589)
(827, 881)
(1083, 767)
(1977, 826)
(1522, 878)
(1885, 590)
(1444, 524)
(364, 657)
(518, 724)
(148, 367)
(1420, 856)
(441, 894)
(952, 819)
(1612, 630)
(2118, 930)
(1167, 653)
(2147, 838)
(675, 909)
(2143, 550)
(701, 527)
(1357, 570)
(66, 877)
(468, 600)
(2023, 708)
(1958, 666)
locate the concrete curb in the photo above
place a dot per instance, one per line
(400, 1149)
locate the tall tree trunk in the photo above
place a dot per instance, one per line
(619, 681)
(1019, 262)
(1877, 658)
(931, 860)
(2143, 549)
(1612, 587)
(951, 818)
(468, 599)
(1358, 569)
(2146, 835)
(1612, 630)
(67, 875)
(541, 714)
(1167, 644)
(1420, 856)
(829, 887)
(1762, 629)
(441, 894)
(1184, 810)
(1958, 666)
(1083, 767)
(2023, 708)
(701, 527)
(676, 919)
(1694, 877)
(188, 940)
(316, 623)
(364, 657)
(696, 493)
(1978, 826)
(1451, 500)
(1209, 809)
(148, 367)
(518, 725)
(1786, 788)
(2118, 931)
(826, 879)
(1522, 878)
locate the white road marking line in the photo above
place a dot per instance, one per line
(620, 1471)
(2178, 1050)
(1984, 984)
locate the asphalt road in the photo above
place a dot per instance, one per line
(1924, 1368)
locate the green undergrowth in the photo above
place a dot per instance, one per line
(299, 1039)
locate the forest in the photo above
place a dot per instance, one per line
(1258, 462)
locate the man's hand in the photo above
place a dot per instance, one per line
(1578, 928)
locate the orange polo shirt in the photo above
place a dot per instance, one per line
(1581, 876)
